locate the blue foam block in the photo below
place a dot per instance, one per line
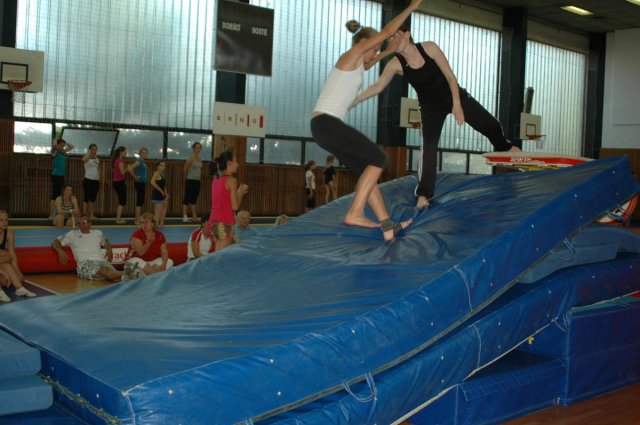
(591, 330)
(518, 384)
(54, 415)
(17, 358)
(24, 394)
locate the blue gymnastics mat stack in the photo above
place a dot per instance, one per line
(316, 322)
(21, 389)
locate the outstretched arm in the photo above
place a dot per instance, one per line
(390, 70)
(440, 59)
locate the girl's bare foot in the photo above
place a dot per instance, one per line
(514, 149)
(391, 233)
(360, 220)
(423, 202)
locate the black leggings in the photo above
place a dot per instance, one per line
(432, 121)
(57, 184)
(141, 190)
(351, 147)
(90, 189)
(191, 191)
(121, 190)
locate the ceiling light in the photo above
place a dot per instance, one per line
(636, 2)
(577, 10)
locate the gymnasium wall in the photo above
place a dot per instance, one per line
(621, 117)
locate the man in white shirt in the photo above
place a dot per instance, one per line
(86, 245)
(201, 241)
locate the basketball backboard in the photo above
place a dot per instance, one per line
(530, 125)
(20, 64)
(409, 112)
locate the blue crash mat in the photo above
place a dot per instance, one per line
(295, 312)
(17, 358)
(521, 312)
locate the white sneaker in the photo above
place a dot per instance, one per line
(24, 292)
(186, 219)
(3, 297)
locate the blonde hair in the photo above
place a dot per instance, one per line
(149, 217)
(359, 32)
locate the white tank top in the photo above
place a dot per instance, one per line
(339, 91)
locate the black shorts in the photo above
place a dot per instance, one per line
(90, 189)
(311, 200)
(191, 191)
(351, 147)
(121, 190)
(57, 184)
(141, 191)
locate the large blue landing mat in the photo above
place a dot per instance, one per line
(297, 311)
(520, 313)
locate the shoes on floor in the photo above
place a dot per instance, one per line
(185, 219)
(24, 292)
(3, 297)
(129, 272)
(121, 221)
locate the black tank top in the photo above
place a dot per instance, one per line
(428, 81)
(3, 244)
(156, 195)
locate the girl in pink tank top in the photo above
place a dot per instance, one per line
(226, 197)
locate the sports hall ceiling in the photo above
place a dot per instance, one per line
(608, 15)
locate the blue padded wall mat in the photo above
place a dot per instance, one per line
(54, 415)
(17, 358)
(293, 313)
(24, 394)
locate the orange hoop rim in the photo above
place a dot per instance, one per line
(535, 136)
(18, 85)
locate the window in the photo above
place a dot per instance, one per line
(82, 138)
(310, 35)
(180, 145)
(142, 63)
(558, 79)
(134, 140)
(287, 152)
(32, 137)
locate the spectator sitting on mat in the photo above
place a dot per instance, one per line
(281, 219)
(86, 245)
(243, 229)
(148, 251)
(10, 274)
(67, 210)
(201, 241)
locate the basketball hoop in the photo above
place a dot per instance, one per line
(538, 138)
(17, 88)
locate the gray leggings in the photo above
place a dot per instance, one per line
(351, 147)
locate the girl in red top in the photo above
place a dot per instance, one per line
(119, 169)
(148, 252)
(226, 197)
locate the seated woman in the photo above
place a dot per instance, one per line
(67, 210)
(148, 252)
(10, 273)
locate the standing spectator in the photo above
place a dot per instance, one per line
(192, 174)
(119, 169)
(330, 186)
(226, 197)
(148, 253)
(310, 185)
(159, 193)
(243, 229)
(86, 245)
(91, 181)
(58, 171)
(201, 241)
(67, 210)
(138, 170)
(9, 262)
